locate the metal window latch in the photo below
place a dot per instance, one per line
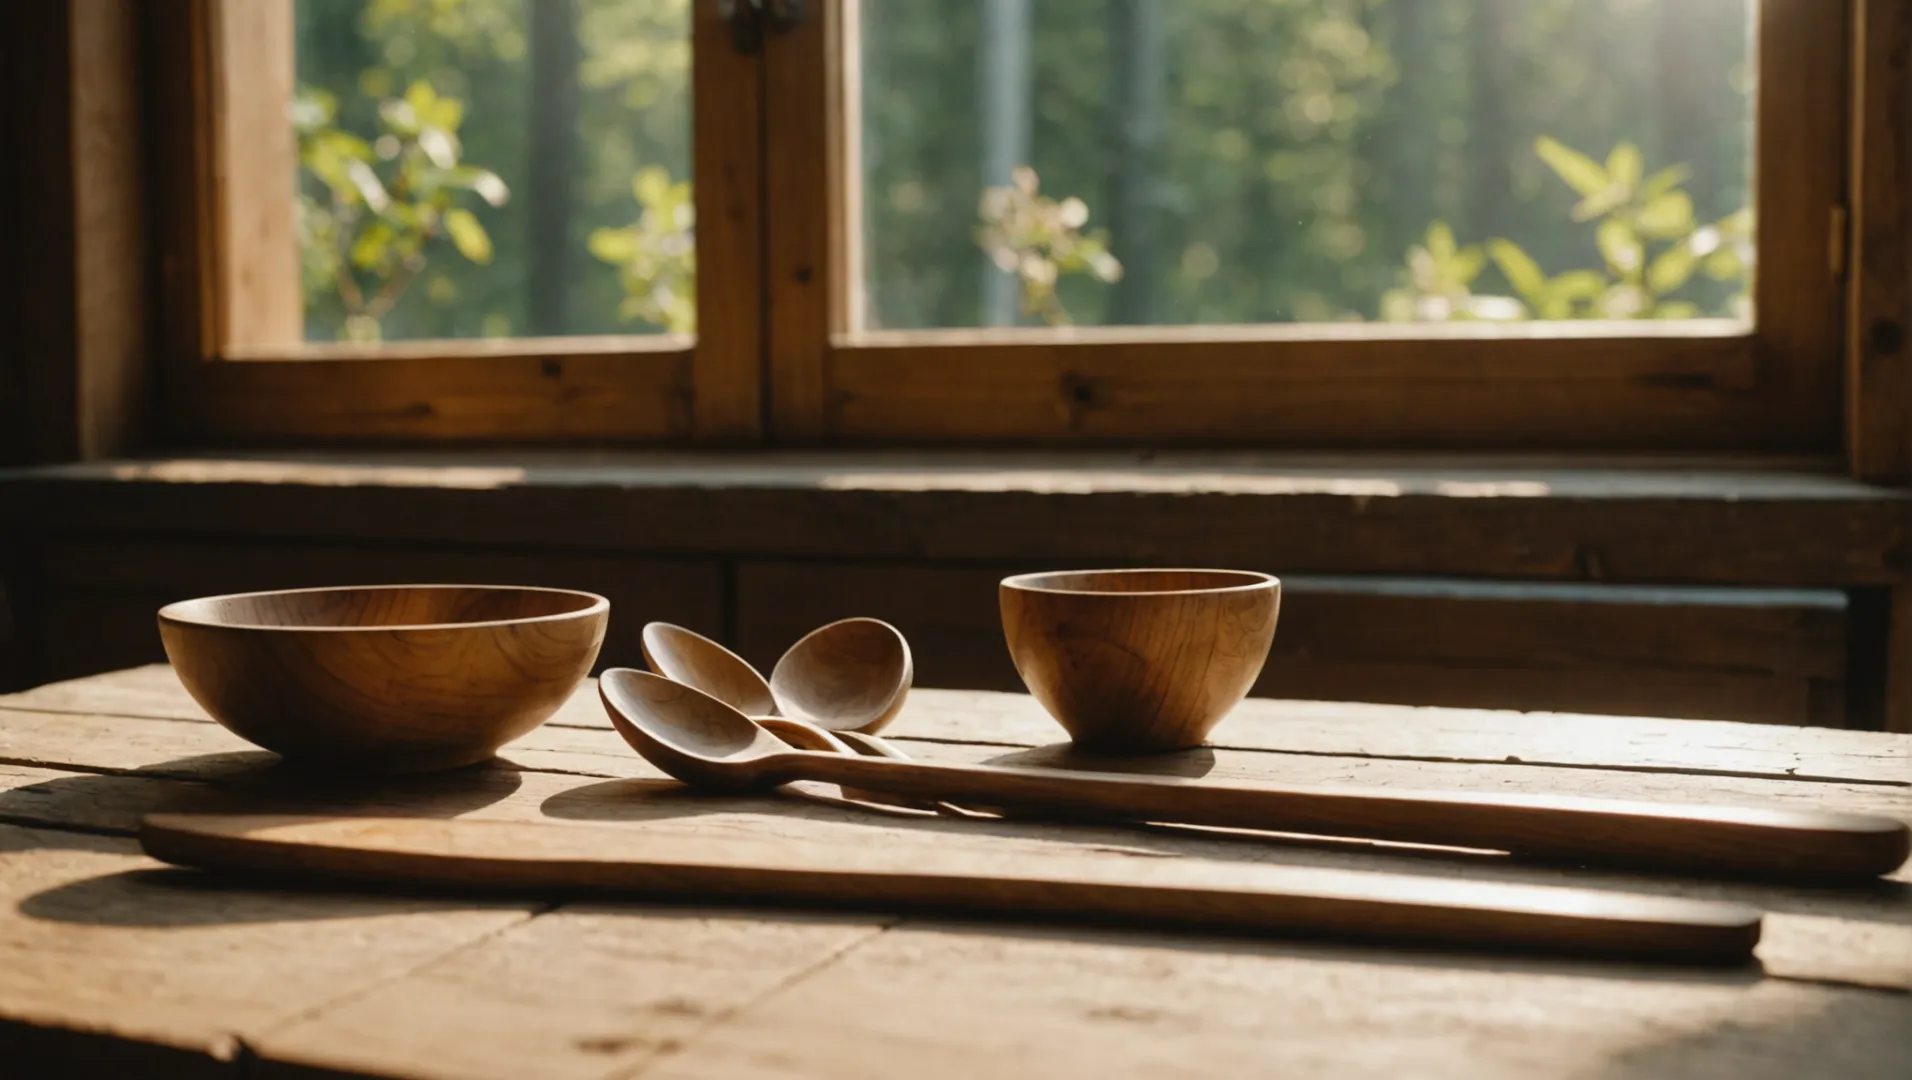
(750, 19)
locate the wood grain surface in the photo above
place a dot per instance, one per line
(1879, 293)
(77, 383)
(143, 968)
(490, 858)
(259, 298)
(391, 678)
(727, 363)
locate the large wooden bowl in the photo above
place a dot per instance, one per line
(1140, 661)
(392, 678)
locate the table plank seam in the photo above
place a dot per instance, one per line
(548, 770)
(1510, 760)
(1352, 755)
(25, 821)
(788, 982)
(1834, 982)
(50, 824)
(154, 772)
(1665, 770)
(535, 910)
(159, 772)
(140, 772)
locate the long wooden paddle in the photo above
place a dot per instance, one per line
(549, 859)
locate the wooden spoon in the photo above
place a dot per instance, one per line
(706, 743)
(694, 660)
(850, 675)
(803, 735)
(807, 736)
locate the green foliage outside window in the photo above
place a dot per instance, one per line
(1285, 155)
(629, 89)
(1040, 240)
(382, 207)
(656, 256)
(1650, 245)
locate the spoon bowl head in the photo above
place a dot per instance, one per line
(687, 733)
(694, 660)
(851, 675)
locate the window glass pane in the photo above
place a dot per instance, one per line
(1240, 161)
(494, 168)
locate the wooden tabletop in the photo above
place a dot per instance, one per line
(122, 967)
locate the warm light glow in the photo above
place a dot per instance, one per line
(307, 473)
(1047, 482)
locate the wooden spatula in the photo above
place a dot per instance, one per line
(505, 857)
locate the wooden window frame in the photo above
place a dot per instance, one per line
(1824, 370)
(1879, 294)
(75, 377)
(220, 309)
(1577, 386)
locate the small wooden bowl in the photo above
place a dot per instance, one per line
(1139, 661)
(390, 678)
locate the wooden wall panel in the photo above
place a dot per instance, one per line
(1739, 654)
(1751, 655)
(1897, 707)
(1687, 520)
(1879, 293)
(98, 599)
(110, 308)
(38, 384)
(73, 377)
(948, 614)
(11, 675)
(1804, 53)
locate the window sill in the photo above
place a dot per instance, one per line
(1699, 520)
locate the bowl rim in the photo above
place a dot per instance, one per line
(1028, 582)
(174, 613)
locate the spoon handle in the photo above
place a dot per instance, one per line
(1705, 840)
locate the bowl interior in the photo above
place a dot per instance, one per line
(382, 607)
(1140, 581)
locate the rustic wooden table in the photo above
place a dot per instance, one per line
(113, 965)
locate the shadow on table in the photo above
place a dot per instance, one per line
(1390, 955)
(1186, 764)
(630, 802)
(1850, 1034)
(109, 807)
(235, 782)
(162, 898)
